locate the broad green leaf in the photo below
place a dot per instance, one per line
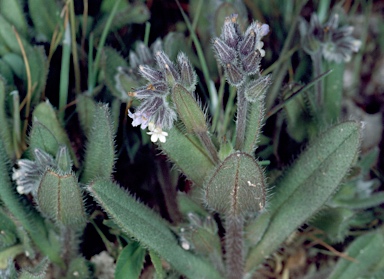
(306, 186)
(130, 262)
(149, 229)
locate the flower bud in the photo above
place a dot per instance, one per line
(224, 53)
(188, 75)
(169, 70)
(144, 53)
(251, 62)
(230, 32)
(247, 45)
(63, 159)
(234, 75)
(133, 60)
(257, 88)
(155, 89)
(150, 74)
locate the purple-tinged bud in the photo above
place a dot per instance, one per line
(230, 32)
(150, 74)
(133, 60)
(144, 53)
(188, 75)
(224, 53)
(151, 105)
(251, 62)
(156, 89)
(164, 117)
(234, 75)
(165, 64)
(257, 88)
(247, 45)
(157, 46)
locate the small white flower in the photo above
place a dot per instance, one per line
(139, 118)
(156, 133)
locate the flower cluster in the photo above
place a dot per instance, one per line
(128, 77)
(240, 54)
(156, 110)
(335, 43)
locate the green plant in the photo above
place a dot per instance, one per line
(201, 100)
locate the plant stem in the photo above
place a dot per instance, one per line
(93, 74)
(75, 58)
(208, 144)
(64, 72)
(317, 70)
(241, 118)
(234, 246)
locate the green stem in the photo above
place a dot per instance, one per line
(75, 58)
(241, 118)
(234, 246)
(200, 54)
(280, 63)
(147, 31)
(317, 70)
(64, 73)
(228, 111)
(94, 71)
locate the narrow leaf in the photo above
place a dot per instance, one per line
(188, 155)
(100, 149)
(366, 250)
(149, 229)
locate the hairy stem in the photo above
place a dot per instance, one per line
(317, 70)
(241, 119)
(234, 246)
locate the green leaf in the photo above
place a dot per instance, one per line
(100, 150)
(8, 37)
(46, 115)
(41, 137)
(26, 216)
(236, 187)
(39, 71)
(78, 268)
(307, 185)
(5, 131)
(59, 198)
(86, 108)
(38, 272)
(149, 229)
(189, 110)
(255, 119)
(156, 261)
(130, 262)
(367, 250)
(13, 12)
(110, 62)
(135, 13)
(188, 155)
(45, 16)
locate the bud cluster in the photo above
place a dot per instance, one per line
(29, 173)
(335, 43)
(240, 54)
(156, 110)
(129, 76)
